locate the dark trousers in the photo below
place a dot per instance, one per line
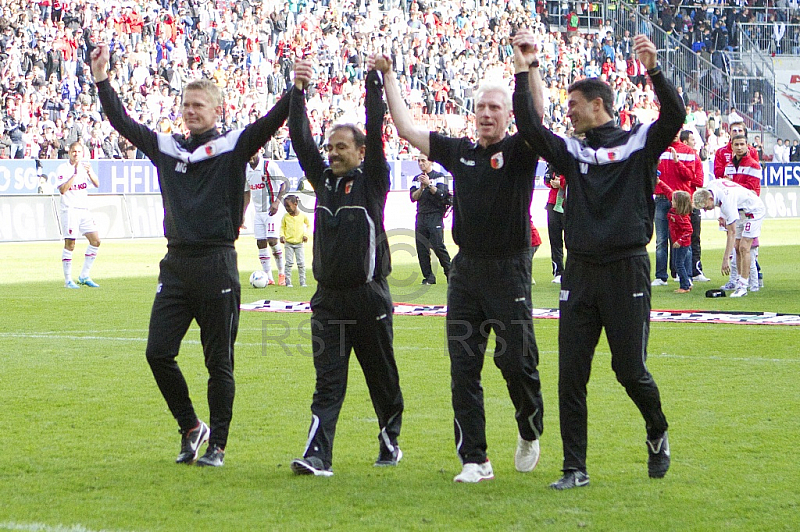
(614, 296)
(356, 319)
(485, 295)
(205, 289)
(430, 236)
(555, 232)
(697, 265)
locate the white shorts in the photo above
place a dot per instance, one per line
(751, 227)
(266, 226)
(75, 222)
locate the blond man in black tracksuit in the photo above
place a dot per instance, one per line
(352, 307)
(202, 181)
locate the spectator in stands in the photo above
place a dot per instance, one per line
(794, 152)
(758, 147)
(700, 122)
(777, 151)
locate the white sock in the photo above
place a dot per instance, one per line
(263, 256)
(66, 263)
(734, 268)
(88, 260)
(277, 252)
(753, 281)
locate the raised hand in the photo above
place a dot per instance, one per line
(100, 56)
(380, 62)
(303, 72)
(646, 51)
(526, 49)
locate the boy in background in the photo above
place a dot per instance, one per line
(294, 233)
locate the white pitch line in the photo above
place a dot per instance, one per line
(42, 527)
(401, 348)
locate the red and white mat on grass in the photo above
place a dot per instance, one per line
(683, 316)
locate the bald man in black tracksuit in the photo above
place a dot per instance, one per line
(352, 307)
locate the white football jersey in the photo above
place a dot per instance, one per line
(732, 197)
(263, 186)
(77, 196)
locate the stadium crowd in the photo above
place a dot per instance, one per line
(441, 50)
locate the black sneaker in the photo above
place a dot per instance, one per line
(191, 442)
(658, 456)
(310, 466)
(214, 457)
(572, 479)
(387, 458)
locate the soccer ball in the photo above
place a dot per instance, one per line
(258, 279)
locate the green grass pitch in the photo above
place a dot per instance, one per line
(88, 443)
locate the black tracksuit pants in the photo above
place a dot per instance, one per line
(206, 289)
(484, 295)
(614, 296)
(430, 236)
(555, 233)
(344, 320)
(697, 265)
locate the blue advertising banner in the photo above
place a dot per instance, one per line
(18, 176)
(781, 175)
(140, 177)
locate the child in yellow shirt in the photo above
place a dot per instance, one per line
(294, 233)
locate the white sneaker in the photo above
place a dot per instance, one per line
(740, 291)
(676, 279)
(556, 279)
(754, 288)
(730, 285)
(533, 281)
(658, 282)
(475, 473)
(527, 454)
(700, 278)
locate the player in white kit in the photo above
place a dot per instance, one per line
(265, 188)
(734, 201)
(73, 181)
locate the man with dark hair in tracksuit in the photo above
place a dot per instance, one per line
(352, 307)
(489, 288)
(202, 186)
(429, 191)
(609, 221)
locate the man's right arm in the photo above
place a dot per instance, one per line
(417, 136)
(302, 140)
(139, 135)
(529, 123)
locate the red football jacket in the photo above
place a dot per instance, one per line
(724, 156)
(747, 174)
(678, 174)
(680, 228)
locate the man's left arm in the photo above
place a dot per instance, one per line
(673, 112)
(257, 134)
(375, 165)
